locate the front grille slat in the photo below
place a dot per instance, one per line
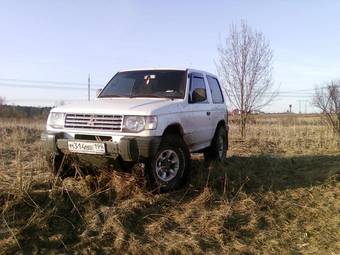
(88, 118)
(94, 121)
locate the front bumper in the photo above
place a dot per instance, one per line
(128, 148)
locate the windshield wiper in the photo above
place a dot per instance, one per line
(112, 96)
(146, 95)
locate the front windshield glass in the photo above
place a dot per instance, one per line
(147, 83)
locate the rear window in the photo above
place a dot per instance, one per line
(215, 89)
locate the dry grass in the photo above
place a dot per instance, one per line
(286, 134)
(278, 194)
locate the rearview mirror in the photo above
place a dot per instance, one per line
(198, 95)
(98, 91)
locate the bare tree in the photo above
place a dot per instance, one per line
(327, 99)
(245, 68)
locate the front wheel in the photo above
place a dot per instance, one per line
(170, 164)
(218, 148)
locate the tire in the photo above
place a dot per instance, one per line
(59, 165)
(170, 165)
(218, 149)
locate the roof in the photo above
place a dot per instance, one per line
(154, 68)
(169, 68)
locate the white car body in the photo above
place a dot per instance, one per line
(198, 121)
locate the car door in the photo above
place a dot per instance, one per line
(198, 117)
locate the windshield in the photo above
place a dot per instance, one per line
(147, 83)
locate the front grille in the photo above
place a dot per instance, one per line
(94, 121)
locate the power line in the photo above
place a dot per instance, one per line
(47, 82)
(295, 96)
(33, 86)
(46, 100)
(298, 91)
(292, 95)
(38, 84)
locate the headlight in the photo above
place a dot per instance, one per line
(56, 119)
(139, 123)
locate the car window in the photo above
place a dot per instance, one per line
(147, 83)
(215, 89)
(121, 86)
(197, 82)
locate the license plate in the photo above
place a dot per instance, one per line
(86, 147)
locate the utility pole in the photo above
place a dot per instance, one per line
(299, 106)
(88, 87)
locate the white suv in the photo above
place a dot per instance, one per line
(154, 116)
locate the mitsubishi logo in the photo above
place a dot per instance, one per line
(91, 121)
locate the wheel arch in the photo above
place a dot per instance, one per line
(174, 128)
(222, 124)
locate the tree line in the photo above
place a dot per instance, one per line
(15, 111)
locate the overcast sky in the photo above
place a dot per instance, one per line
(63, 41)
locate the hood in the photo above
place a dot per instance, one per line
(123, 106)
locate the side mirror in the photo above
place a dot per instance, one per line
(98, 91)
(198, 95)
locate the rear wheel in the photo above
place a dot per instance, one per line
(218, 148)
(169, 166)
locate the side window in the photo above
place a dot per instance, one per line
(197, 89)
(215, 89)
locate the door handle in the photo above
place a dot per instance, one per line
(208, 113)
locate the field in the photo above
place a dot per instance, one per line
(279, 193)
